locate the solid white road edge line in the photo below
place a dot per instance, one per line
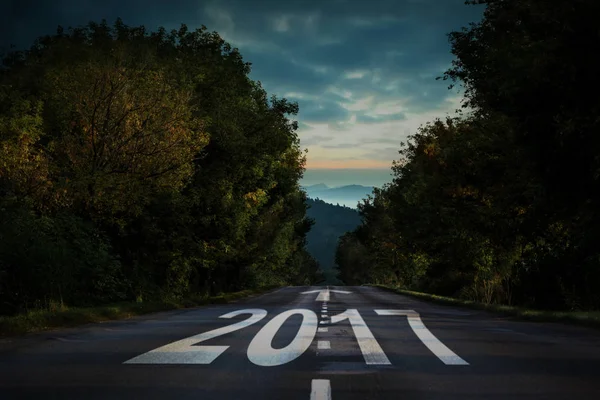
(320, 389)
(438, 348)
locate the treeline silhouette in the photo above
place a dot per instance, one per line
(501, 203)
(139, 165)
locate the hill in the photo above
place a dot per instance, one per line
(331, 222)
(348, 195)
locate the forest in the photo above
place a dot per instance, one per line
(138, 165)
(499, 203)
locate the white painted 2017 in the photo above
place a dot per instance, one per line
(261, 351)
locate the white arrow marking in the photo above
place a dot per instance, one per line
(438, 348)
(320, 389)
(324, 293)
(323, 296)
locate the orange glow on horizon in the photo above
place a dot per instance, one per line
(345, 164)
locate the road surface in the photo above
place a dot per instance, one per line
(307, 343)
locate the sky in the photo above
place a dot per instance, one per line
(362, 72)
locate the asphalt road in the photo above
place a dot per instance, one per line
(294, 345)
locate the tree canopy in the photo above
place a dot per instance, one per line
(144, 165)
(499, 204)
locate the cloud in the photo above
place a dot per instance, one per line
(322, 110)
(373, 119)
(316, 139)
(302, 127)
(362, 72)
(388, 153)
(339, 146)
(281, 23)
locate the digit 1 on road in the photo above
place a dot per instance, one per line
(370, 348)
(438, 348)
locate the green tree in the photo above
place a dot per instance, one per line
(161, 144)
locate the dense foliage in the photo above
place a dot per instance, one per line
(500, 204)
(144, 165)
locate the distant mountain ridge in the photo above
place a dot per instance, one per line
(348, 195)
(318, 186)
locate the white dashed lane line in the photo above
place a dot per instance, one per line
(323, 345)
(320, 389)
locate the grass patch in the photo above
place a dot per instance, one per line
(584, 318)
(63, 317)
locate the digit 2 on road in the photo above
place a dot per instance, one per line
(261, 352)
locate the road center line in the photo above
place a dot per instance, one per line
(323, 345)
(323, 329)
(320, 389)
